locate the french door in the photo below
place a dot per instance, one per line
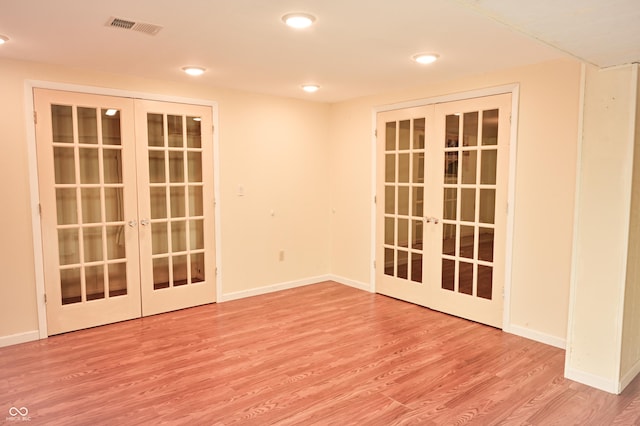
(126, 196)
(176, 172)
(441, 206)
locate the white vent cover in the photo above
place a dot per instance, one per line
(127, 24)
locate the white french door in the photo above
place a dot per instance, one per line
(176, 171)
(441, 208)
(404, 257)
(126, 194)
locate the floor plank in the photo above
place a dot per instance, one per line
(323, 354)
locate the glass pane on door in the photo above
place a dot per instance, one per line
(469, 202)
(404, 198)
(175, 203)
(88, 164)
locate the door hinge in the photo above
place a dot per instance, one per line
(216, 271)
(213, 129)
(375, 132)
(45, 298)
(35, 117)
(40, 209)
(374, 264)
(375, 199)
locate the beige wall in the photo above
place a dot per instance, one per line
(602, 239)
(18, 312)
(275, 147)
(545, 184)
(631, 320)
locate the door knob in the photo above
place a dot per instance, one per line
(144, 222)
(132, 223)
(427, 219)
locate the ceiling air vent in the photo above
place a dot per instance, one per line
(126, 24)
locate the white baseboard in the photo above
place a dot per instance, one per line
(592, 380)
(631, 374)
(273, 288)
(351, 283)
(14, 339)
(294, 284)
(537, 336)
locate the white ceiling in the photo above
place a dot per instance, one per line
(355, 48)
(602, 32)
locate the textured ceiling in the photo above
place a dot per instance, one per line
(355, 48)
(603, 33)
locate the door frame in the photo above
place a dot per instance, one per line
(514, 90)
(34, 188)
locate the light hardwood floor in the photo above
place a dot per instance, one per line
(324, 354)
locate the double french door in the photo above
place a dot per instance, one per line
(126, 195)
(441, 206)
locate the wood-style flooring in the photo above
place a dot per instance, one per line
(324, 354)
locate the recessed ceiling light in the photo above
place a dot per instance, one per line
(310, 88)
(111, 112)
(298, 20)
(193, 70)
(425, 58)
(3, 39)
(197, 119)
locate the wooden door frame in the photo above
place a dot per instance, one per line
(514, 90)
(34, 188)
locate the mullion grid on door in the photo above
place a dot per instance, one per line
(195, 227)
(156, 238)
(468, 263)
(187, 224)
(116, 187)
(451, 205)
(103, 213)
(113, 216)
(403, 188)
(416, 198)
(81, 225)
(102, 263)
(455, 147)
(176, 253)
(465, 264)
(403, 253)
(81, 248)
(174, 221)
(482, 265)
(64, 238)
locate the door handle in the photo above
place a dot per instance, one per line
(429, 219)
(132, 223)
(144, 222)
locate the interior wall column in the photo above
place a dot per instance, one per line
(601, 250)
